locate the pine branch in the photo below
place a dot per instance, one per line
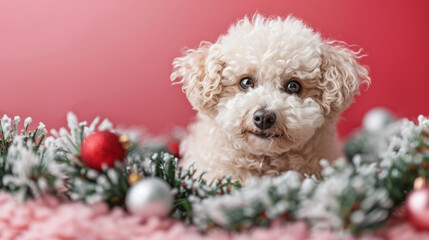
(26, 165)
(355, 197)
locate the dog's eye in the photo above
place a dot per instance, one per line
(246, 83)
(293, 87)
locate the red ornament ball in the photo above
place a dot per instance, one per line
(101, 148)
(417, 208)
(173, 148)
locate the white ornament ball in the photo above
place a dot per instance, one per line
(377, 119)
(150, 197)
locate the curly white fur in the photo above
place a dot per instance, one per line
(272, 52)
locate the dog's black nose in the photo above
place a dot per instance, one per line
(264, 119)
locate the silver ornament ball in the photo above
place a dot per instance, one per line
(150, 197)
(377, 119)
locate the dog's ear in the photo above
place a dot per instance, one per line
(200, 73)
(341, 76)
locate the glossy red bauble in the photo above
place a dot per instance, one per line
(101, 148)
(417, 208)
(173, 148)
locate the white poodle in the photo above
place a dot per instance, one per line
(268, 94)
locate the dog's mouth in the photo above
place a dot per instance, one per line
(264, 135)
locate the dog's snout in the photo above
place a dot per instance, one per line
(264, 119)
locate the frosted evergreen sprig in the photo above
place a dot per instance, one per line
(406, 158)
(27, 165)
(111, 184)
(257, 204)
(188, 187)
(349, 197)
(355, 197)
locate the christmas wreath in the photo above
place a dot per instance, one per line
(386, 168)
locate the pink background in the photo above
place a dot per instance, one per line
(113, 58)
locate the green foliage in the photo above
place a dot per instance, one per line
(26, 168)
(355, 197)
(187, 185)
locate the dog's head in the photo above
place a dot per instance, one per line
(270, 83)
